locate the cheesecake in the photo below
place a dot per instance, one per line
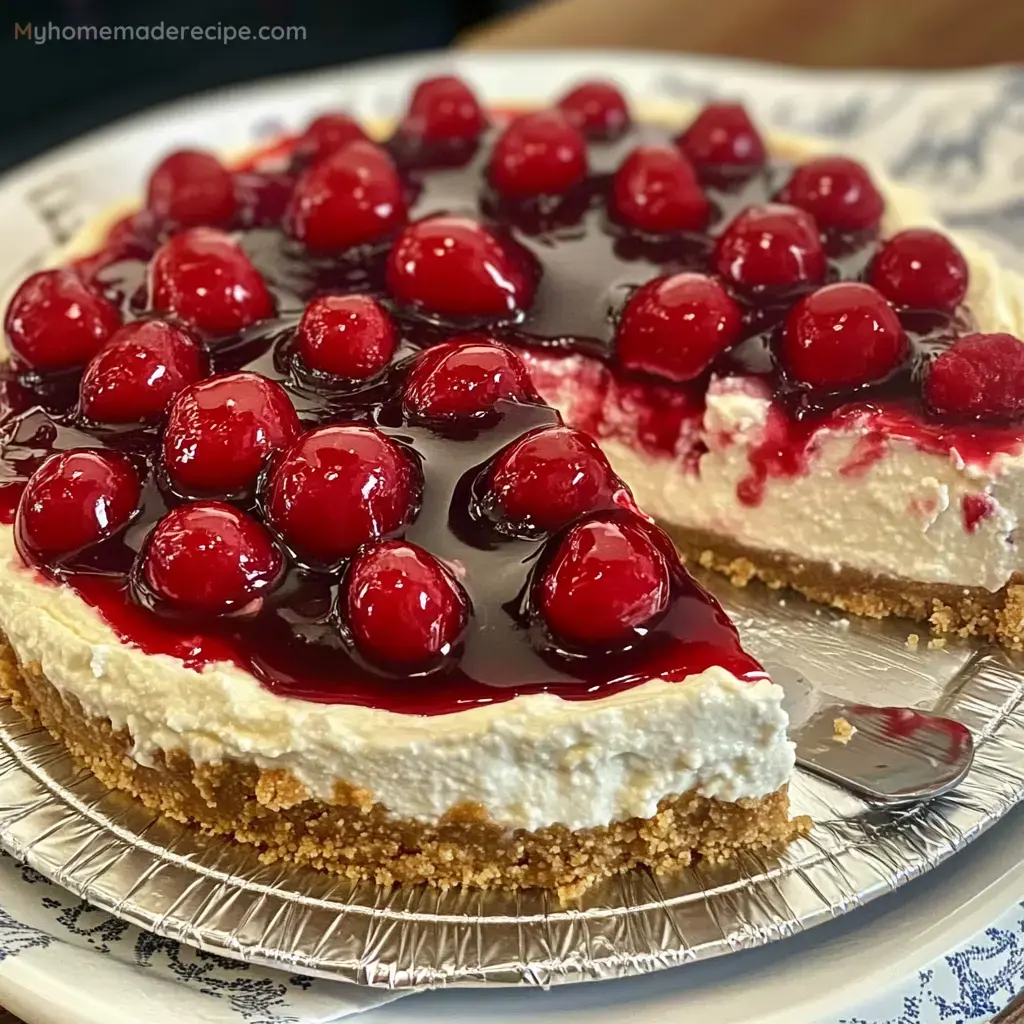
(296, 548)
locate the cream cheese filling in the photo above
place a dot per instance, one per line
(532, 761)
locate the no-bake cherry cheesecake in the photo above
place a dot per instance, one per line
(298, 552)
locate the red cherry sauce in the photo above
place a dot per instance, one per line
(293, 644)
(587, 267)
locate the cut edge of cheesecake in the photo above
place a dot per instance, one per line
(947, 608)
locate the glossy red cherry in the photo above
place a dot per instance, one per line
(607, 579)
(73, 500)
(221, 430)
(771, 246)
(352, 197)
(538, 154)
(204, 279)
(340, 487)
(133, 378)
(54, 322)
(263, 197)
(464, 377)
(655, 189)
(351, 336)
(455, 267)
(402, 606)
(837, 192)
(980, 376)
(209, 557)
(921, 269)
(842, 335)
(189, 188)
(551, 476)
(597, 109)
(444, 109)
(326, 134)
(722, 135)
(676, 326)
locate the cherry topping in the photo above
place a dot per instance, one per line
(403, 606)
(771, 246)
(980, 376)
(722, 135)
(675, 327)
(133, 378)
(842, 335)
(339, 487)
(263, 197)
(549, 477)
(607, 579)
(202, 277)
(54, 322)
(221, 430)
(597, 109)
(538, 154)
(975, 509)
(455, 267)
(325, 135)
(465, 377)
(189, 188)
(655, 189)
(444, 109)
(352, 197)
(209, 557)
(73, 500)
(837, 192)
(921, 269)
(349, 336)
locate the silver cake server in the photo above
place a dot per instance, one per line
(891, 756)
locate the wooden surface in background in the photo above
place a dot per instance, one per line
(1013, 1014)
(813, 33)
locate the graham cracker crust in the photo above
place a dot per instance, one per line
(353, 836)
(964, 611)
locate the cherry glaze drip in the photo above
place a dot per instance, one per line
(293, 646)
(587, 269)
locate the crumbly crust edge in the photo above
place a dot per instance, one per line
(946, 608)
(354, 837)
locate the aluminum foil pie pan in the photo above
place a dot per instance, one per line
(215, 894)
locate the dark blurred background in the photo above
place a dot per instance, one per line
(52, 92)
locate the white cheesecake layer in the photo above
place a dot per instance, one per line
(532, 761)
(901, 516)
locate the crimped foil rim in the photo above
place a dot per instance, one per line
(211, 892)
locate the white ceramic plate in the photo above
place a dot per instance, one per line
(959, 136)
